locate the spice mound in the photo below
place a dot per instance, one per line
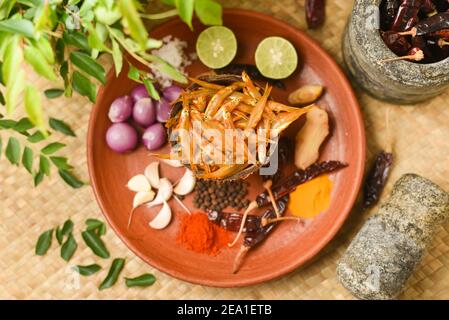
(198, 234)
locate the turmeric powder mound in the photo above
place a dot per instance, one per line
(198, 234)
(311, 198)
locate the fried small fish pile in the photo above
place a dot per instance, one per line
(238, 121)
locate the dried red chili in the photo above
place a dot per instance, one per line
(315, 13)
(407, 15)
(255, 236)
(442, 5)
(397, 43)
(289, 184)
(435, 23)
(428, 7)
(388, 10)
(377, 178)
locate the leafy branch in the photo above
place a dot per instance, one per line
(47, 155)
(62, 40)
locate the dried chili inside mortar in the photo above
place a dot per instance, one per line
(397, 43)
(407, 15)
(435, 23)
(388, 9)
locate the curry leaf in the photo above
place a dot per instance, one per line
(61, 163)
(53, 93)
(113, 274)
(58, 235)
(33, 108)
(87, 270)
(23, 125)
(151, 89)
(84, 86)
(97, 226)
(117, 57)
(38, 177)
(85, 63)
(36, 137)
(44, 165)
(43, 242)
(52, 148)
(94, 242)
(76, 39)
(13, 150)
(13, 91)
(45, 48)
(134, 74)
(12, 59)
(135, 24)
(209, 12)
(27, 159)
(70, 179)
(68, 248)
(61, 126)
(18, 26)
(185, 9)
(67, 228)
(37, 60)
(7, 123)
(145, 280)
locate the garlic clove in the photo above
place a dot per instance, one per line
(152, 174)
(186, 184)
(163, 218)
(139, 183)
(173, 163)
(163, 194)
(142, 197)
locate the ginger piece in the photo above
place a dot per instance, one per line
(310, 138)
(306, 94)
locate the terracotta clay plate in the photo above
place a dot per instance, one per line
(290, 245)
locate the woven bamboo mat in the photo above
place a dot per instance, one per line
(421, 146)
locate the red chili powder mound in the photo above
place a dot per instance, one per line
(198, 234)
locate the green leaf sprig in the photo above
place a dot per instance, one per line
(62, 42)
(94, 230)
(37, 161)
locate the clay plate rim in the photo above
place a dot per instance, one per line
(320, 243)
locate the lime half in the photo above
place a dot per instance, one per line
(276, 58)
(216, 47)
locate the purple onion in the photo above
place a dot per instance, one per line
(139, 92)
(120, 109)
(144, 112)
(172, 93)
(154, 136)
(121, 137)
(163, 108)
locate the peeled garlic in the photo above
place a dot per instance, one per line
(163, 218)
(163, 194)
(152, 174)
(142, 197)
(173, 163)
(186, 184)
(139, 183)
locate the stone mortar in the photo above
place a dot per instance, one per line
(401, 82)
